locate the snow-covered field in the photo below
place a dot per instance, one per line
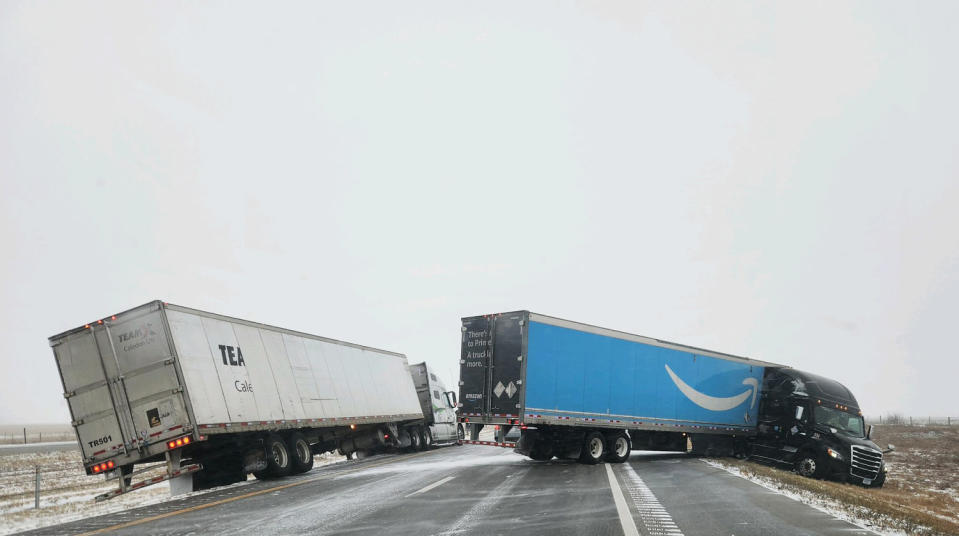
(66, 492)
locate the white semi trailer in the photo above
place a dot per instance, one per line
(219, 397)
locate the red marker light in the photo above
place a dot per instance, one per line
(110, 464)
(186, 440)
(86, 326)
(96, 468)
(171, 444)
(386, 436)
(114, 317)
(99, 321)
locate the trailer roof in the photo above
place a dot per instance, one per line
(164, 305)
(597, 330)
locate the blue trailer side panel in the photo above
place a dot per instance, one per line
(571, 373)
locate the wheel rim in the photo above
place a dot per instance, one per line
(279, 455)
(807, 467)
(303, 451)
(596, 447)
(429, 438)
(622, 447)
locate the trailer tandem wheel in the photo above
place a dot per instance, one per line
(619, 448)
(302, 456)
(277, 458)
(594, 448)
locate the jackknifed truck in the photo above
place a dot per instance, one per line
(217, 398)
(583, 392)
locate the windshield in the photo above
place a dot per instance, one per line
(844, 422)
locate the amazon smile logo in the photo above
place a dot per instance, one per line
(715, 403)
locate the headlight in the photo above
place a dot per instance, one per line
(834, 453)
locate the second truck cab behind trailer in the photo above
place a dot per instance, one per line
(438, 405)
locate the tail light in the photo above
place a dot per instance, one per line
(101, 467)
(175, 443)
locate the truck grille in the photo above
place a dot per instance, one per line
(866, 462)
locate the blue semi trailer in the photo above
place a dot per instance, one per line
(591, 393)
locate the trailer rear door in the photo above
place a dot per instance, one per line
(121, 383)
(491, 364)
(476, 347)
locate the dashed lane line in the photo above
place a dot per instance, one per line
(625, 518)
(431, 486)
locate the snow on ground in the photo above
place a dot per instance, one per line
(819, 502)
(67, 492)
(17, 446)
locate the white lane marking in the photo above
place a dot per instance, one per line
(431, 486)
(625, 518)
(657, 520)
(482, 507)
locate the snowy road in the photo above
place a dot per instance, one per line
(484, 490)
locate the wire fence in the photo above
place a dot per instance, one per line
(53, 482)
(912, 420)
(27, 435)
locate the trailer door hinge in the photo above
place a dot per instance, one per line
(462, 361)
(69, 394)
(77, 422)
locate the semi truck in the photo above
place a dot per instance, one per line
(217, 398)
(579, 391)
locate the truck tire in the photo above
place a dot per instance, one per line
(302, 457)
(278, 459)
(416, 442)
(542, 451)
(427, 438)
(594, 448)
(809, 465)
(460, 432)
(619, 448)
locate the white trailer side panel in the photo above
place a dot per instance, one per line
(282, 375)
(199, 369)
(267, 397)
(242, 372)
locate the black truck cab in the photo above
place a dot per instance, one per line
(814, 424)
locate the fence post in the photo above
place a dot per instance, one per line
(24, 436)
(880, 419)
(36, 492)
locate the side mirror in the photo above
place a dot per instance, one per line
(869, 432)
(799, 411)
(889, 448)
(451, 398)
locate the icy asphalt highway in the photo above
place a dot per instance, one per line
(483, 490)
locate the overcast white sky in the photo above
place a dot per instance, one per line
(768, 179)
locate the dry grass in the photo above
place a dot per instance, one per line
(921, 494)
